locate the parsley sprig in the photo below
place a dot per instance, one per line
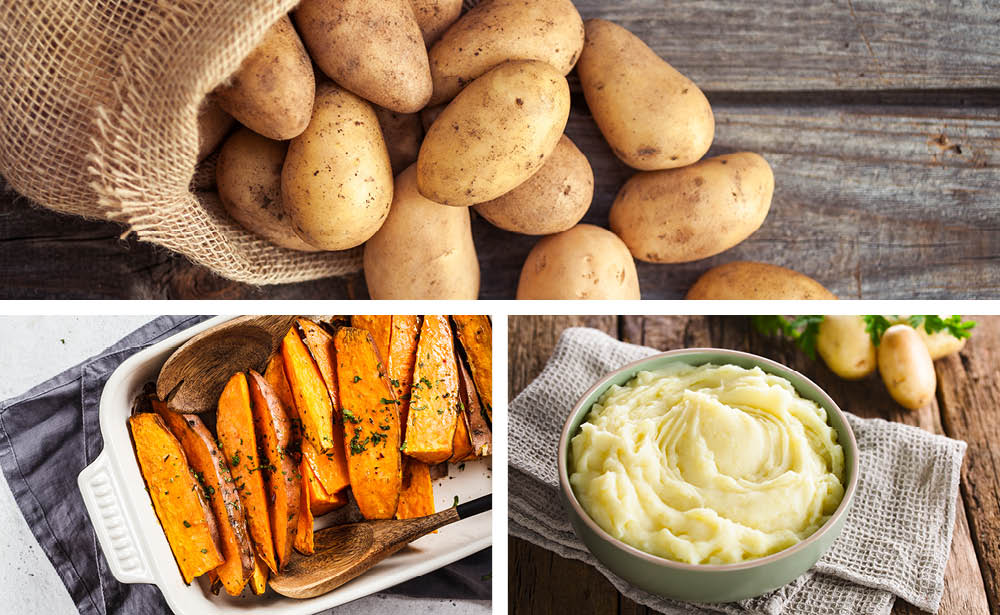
(802, 330)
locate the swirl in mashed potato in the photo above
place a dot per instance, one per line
(712, 464)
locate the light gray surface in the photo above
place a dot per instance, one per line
(34, 349)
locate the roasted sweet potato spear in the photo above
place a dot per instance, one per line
(417, 496)
(371, 424)
(480, 438)
(320, 501)
(210, 467)
(431, 421)
(312, 400)
(330, 467)
(258, 583)
(304, 535)
(283, 480)
(380, 328)
(402, 356)
(178, 499)
(476, 336)
(235, 428)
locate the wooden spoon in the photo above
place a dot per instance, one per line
(193, 377)
(345, 551)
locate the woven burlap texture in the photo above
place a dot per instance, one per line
(895, 542)
(98, 118)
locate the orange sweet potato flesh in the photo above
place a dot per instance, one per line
(330, 467)
(380, 328)
(210, 466)
(260, 574)
(177, 497)
(417, 496)
(402, 356)
(321, 501)
(283, 482)
(235, 429)
(476, 336)
(312, 400)
(432, 418)
(371, 424)
(304, 536)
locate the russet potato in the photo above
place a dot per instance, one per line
(336, 183)
(652, 116)
(691, 213)
(435, 16)
(495, 135)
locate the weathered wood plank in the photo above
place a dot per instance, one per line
(839, 45)
(531, 340)
(542, 583)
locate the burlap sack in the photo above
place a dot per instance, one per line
(98, 112)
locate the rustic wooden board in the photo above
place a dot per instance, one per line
(839, 45)
(968, 394)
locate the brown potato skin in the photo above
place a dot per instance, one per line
(374, 49)
(403, 133)
(336, 184)
(213, 126)
(497, 31)
(272, 92)
(248, 175)
(747, 280)
(691, 213)
(435, 16)
(552, 200)
(423, 251)
(652, 116)
(495, 135)
(585, 262)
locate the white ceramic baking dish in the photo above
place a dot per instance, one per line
(137, 550)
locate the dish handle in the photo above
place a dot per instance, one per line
(103, 496)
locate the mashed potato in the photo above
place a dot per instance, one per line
(707, 465)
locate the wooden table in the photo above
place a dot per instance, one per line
(966, 408)
(881, 121)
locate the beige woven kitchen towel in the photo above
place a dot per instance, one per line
(895, 542)
(98, 118)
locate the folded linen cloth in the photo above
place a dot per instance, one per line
(895, 542)
(49, 434)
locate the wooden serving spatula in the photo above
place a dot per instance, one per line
(345, 551)
(193, 377)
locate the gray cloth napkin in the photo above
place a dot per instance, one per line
(50, 433)
(895, 543)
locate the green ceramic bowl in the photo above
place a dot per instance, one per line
(703, 582)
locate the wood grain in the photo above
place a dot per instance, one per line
(968, 394)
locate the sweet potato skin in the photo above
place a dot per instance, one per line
(431, 421)
(476, 336)
(371, 424)
(477, 438)
(330, 467)
(178, 500)
(402, 357)
(312, 399)
(380, 328)
(284, 489)
(416, 499)
(235, 429)
(207, 461)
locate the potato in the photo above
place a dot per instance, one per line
(435, 16)
(495, 135)
(403, 133)
(846, 347)
(746, 280)
(373, 49)
(553, 200)
(687, 214)
(652, 116)
(423, 251)
(906, 367)
(585, 262)
(272, 92)
(501, 30)
(248, 175)
(337, 181)
(939, 344)
(429, 114)
(213, 126)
